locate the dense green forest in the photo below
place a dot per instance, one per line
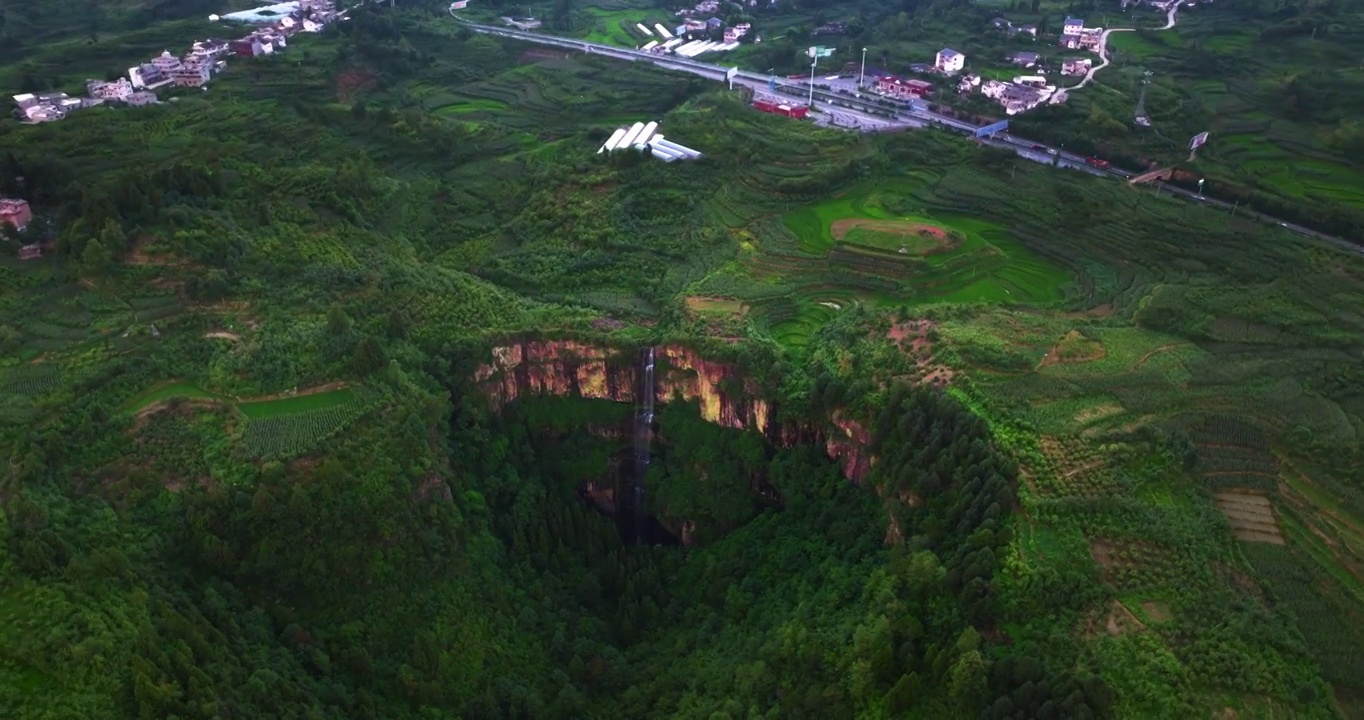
(262, 464)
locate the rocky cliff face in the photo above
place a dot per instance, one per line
(725, 397)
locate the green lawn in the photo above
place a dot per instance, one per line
(301, 403)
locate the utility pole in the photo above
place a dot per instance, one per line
(814, 60)
(1140, 114)
(862, 77)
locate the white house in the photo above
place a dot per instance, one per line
(1073, 26)
(949, 61)
(119, 89)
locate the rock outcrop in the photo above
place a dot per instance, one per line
(570, 368)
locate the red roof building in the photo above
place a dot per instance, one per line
(902, 89)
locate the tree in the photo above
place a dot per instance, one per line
(338, 322)
(96, 260)
(369, 357)
(397, 325)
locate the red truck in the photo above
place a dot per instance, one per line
(1096, 162)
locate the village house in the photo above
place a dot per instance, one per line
(15, 213)
(949, 61)
(166, 63)
(1023, 59)
(195, 73)
(1012, 97)
(968, 83)
(714, 24)
(247, 47)
(1069, 41)
(732, 34)
(1076, 67)
(212, 49)
(901, 89)
(1090, 40)
(47, 107)
(1073, 26)
(693, 26)
(148, 76)
(119, 89)
(1024, 29)
(1036, 81)
(140, 98)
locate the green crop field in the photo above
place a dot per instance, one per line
(299, 404)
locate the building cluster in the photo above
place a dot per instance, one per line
(678, 40)
(641, 136)
(194, 69)
(1075, 36)
(1024, 93)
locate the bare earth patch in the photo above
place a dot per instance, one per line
(912, 339)
(1251, 516)
(223, 335)
(727, 306)
(1118, 620)
(351, 83)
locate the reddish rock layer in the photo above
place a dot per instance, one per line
(571, 368)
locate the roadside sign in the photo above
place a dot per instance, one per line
(819, 51)
(992, 129)
(1198, 140)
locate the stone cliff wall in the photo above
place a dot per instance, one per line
(571, 368)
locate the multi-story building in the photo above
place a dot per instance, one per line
(949, 61)
(117, 90)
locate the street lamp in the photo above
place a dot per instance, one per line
(862, 77)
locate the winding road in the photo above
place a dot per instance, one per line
(1171, 18)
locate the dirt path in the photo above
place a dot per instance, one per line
(223, 335)
(1152, 353)
(1081, 468)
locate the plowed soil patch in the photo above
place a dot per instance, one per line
(1251, 516)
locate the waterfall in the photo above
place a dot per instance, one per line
(644, 422)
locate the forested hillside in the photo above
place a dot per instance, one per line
(261, 464)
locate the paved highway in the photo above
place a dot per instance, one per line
(851, 113)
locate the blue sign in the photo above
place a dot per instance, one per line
(988, 130)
